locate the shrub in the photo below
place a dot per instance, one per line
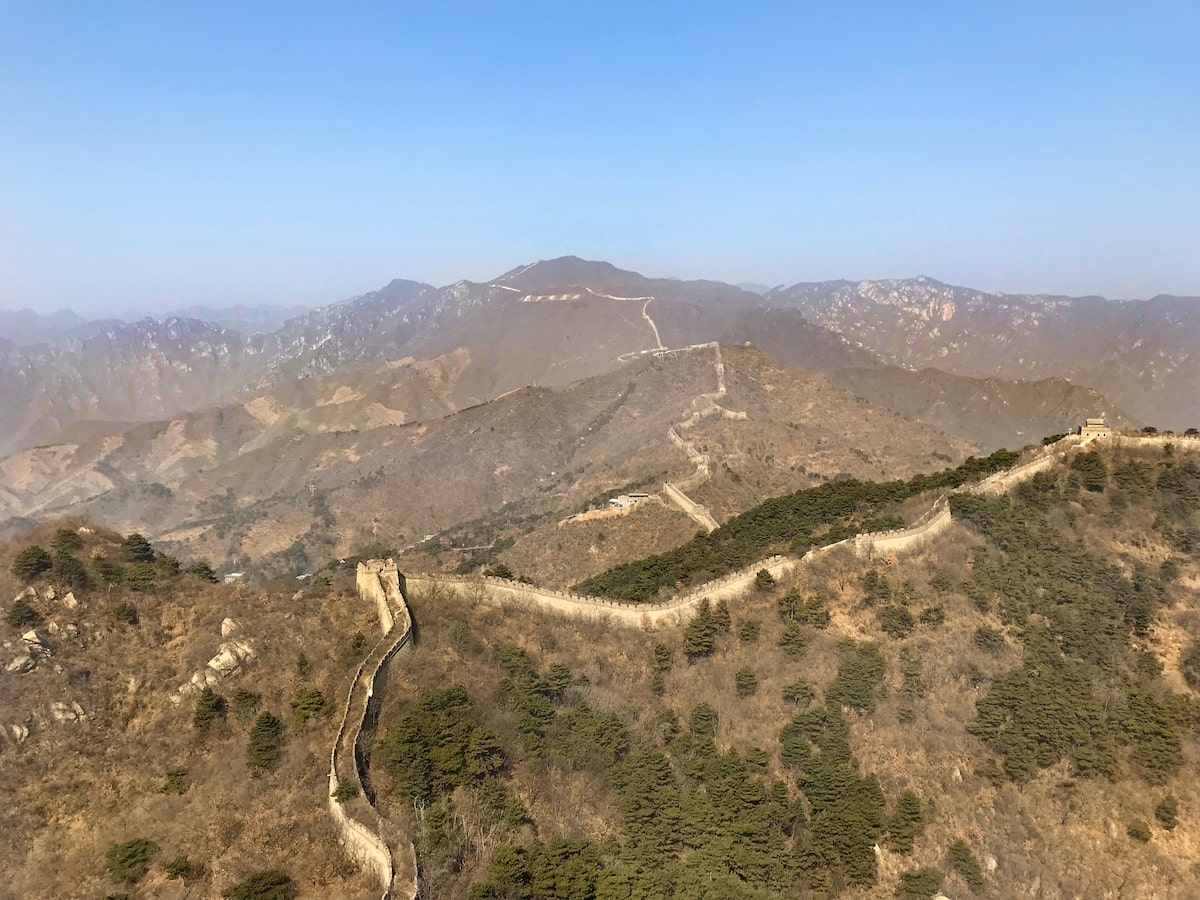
(269, 885)
(31, 562)
(966, 864)
(933, 616)
(346, 790)
(125, 612)
(266, 742)
(21, 614)
(500, 570)
(306, 704)
(658, 684)
(179, 867)
(128, 861)
(203, 571)
(799, 692)
(896, 621)
(764, 580)
(176, 782)
(1167, 812)
(1139, 830)
(745, 683)
(245, 703)
(749, 631)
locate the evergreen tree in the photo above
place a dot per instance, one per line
(137, 549)
(906, 823)
(210, 706)
(31, 562)
(966, 865)
(265, 744)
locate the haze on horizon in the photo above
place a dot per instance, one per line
(163, 155)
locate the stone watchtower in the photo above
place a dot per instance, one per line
(1095, 428)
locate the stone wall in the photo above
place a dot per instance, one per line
(486, 589)
(379, 582)
(900, 540)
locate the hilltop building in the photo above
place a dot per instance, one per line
(1095, 428)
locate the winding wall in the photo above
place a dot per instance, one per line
(935, 521)
(396, 870)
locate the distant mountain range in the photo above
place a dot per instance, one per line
(553, 322)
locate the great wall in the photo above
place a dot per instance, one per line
(391, 856)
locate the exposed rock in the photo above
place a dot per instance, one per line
(28, 594)
(22, 663)
(72, 630)
(989, 863)
(230, 656)
(956, 775)
(62, 712)
(229, 627)
(69, 600)
(53, 628)
(50, 593)
(19, 732)
(35, 641)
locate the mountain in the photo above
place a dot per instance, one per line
(1140, 354)
(261, 319)
(330, 464)
(553, 322)
(547, 323)
(24, 326)
(991, 412)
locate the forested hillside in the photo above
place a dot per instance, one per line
(953, 721)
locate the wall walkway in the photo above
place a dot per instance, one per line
(360, 827)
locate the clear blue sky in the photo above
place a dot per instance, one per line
(163, 153)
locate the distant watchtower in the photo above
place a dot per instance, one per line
(1095, 428)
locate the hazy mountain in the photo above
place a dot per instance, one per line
(250, 320)
(24, 326)
(992, 412)
(555, 321)
(1141, 354)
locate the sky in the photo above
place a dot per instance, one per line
(157, 155)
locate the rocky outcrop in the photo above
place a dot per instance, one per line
(232, 654)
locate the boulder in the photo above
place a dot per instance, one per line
(50, 593)
(22, 663)
(229, 627)
(28, 594)
(53, 628)
(69, 600)
(35, 641)
(19, 732)
(230, 656)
